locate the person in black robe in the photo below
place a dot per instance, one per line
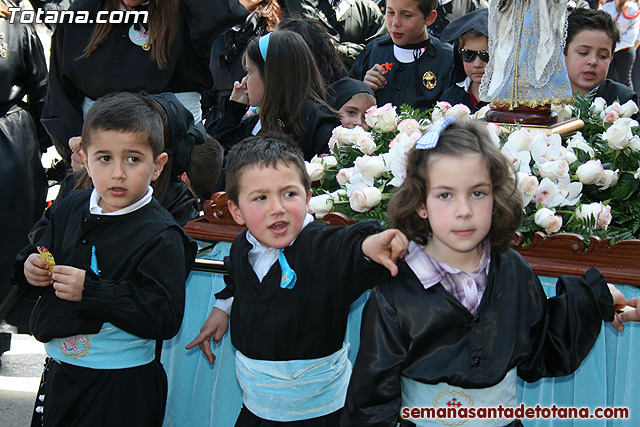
(415, 69)
(124, 61)
(22, 141)
(466, 313)
(132, 260)
(468, 29)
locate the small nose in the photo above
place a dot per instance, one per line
(276, 205)
(118, 170)
(463, 208)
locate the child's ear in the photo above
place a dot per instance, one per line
(235, 212)
(431, 18)
(308, 197)
(86, 163)
(161, 160)
(422, 211)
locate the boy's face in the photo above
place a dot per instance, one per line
(121, 166)
(475, 69)
(352, 111)
(406, 24)
(587, 59)
(272, 203)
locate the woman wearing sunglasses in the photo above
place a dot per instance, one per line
(469, 35)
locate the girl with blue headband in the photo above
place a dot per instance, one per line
(283, 81)
(465, 314)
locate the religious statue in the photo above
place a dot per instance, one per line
(526, 72)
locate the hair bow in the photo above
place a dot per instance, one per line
(430, 139)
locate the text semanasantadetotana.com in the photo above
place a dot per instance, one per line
(521, 412)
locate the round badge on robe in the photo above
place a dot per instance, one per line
(140, 37)
(429, 80)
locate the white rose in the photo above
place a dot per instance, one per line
(598, 105)
(366, 144)
(547, 219)
(521, 140)
(321, 205)
(611, 117)
(482, 112)
(363, 199)
(563, 111)
(338, 194)
(628, 109)
(315, 171)
(609, 179)
(459, 111)
(408, 126)
(578, 141)
(370, 117)
(554, 169)
(344, 175)
(328, 162)
(613, 107)
(370, 165)
(594, 213)
(386, 118)
(619, 134)
(604, 217)
(590, 172)
(635, 143)
(528, 183)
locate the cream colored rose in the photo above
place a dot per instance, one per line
(598, 105)
(521, 140)
(554, 169)
(315, 171)
(547, 219)
(370, 165)
(595, 213)
(590, 172)
(328, 162)
(628, 109)
(459, 111)
(344, 175)
(364, 199)
(609, 179)
(619, 134)
(321, 205)
(578, 141)
(408, 126)
(366, 144)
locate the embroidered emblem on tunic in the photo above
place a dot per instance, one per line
(140, 37)
(452, 399)
(76, 346)
(429, 80)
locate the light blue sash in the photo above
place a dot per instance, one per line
(111, 348)
(420, 395)
(294, 390)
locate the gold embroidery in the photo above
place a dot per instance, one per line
(76, 346)
(429, 80)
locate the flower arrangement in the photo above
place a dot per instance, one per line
(586, 184)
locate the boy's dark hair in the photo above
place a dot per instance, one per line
(320, 43)
(427, 6)
(588, 19)
(291, 79)
(460, 138)
(469, 35)
(206, 166)
(263, 151)
(125, 112)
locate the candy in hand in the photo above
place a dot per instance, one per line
(46, 256)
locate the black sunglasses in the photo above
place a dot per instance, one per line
(468, 55)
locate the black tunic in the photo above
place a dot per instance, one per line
(144, 259)
(120, 65)
(23, 72)
(430, 337)
(310, 320)
(407, 83)
(233, 127)
(457, 95)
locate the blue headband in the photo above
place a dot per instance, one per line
(430, 138)
(263, 43)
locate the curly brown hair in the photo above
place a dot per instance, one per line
(458, 139)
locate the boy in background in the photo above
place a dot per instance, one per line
(351, 98)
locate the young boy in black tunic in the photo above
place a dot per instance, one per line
(408, 66)
(592, 36)
(294, 281)
(117, 286)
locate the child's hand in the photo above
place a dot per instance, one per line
(68, 282)
(215, 326)
(36, 271)
(631, 315)
(76, 157)
(619, 300)
(239, 92)
(385, 248)
(375, 78)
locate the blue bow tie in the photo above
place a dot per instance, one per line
(288, 279)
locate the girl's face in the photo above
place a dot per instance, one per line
(352, 112)
(587, 59)
(406, 24)
(475, 68)
(255, 85)
(459, 207)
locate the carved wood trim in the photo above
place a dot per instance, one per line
(555, 255)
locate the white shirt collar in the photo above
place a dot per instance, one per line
(465, 84)
(407, 56)
(97, 210)
(262, 258)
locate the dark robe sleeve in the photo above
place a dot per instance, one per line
(62, 112)
(320, 124)
(361, 64)
(36, 83)
(231, 129)
(374, 396)
(153, 307)
(567, 325)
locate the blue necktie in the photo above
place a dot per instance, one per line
(94, 261)
(288, 279)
